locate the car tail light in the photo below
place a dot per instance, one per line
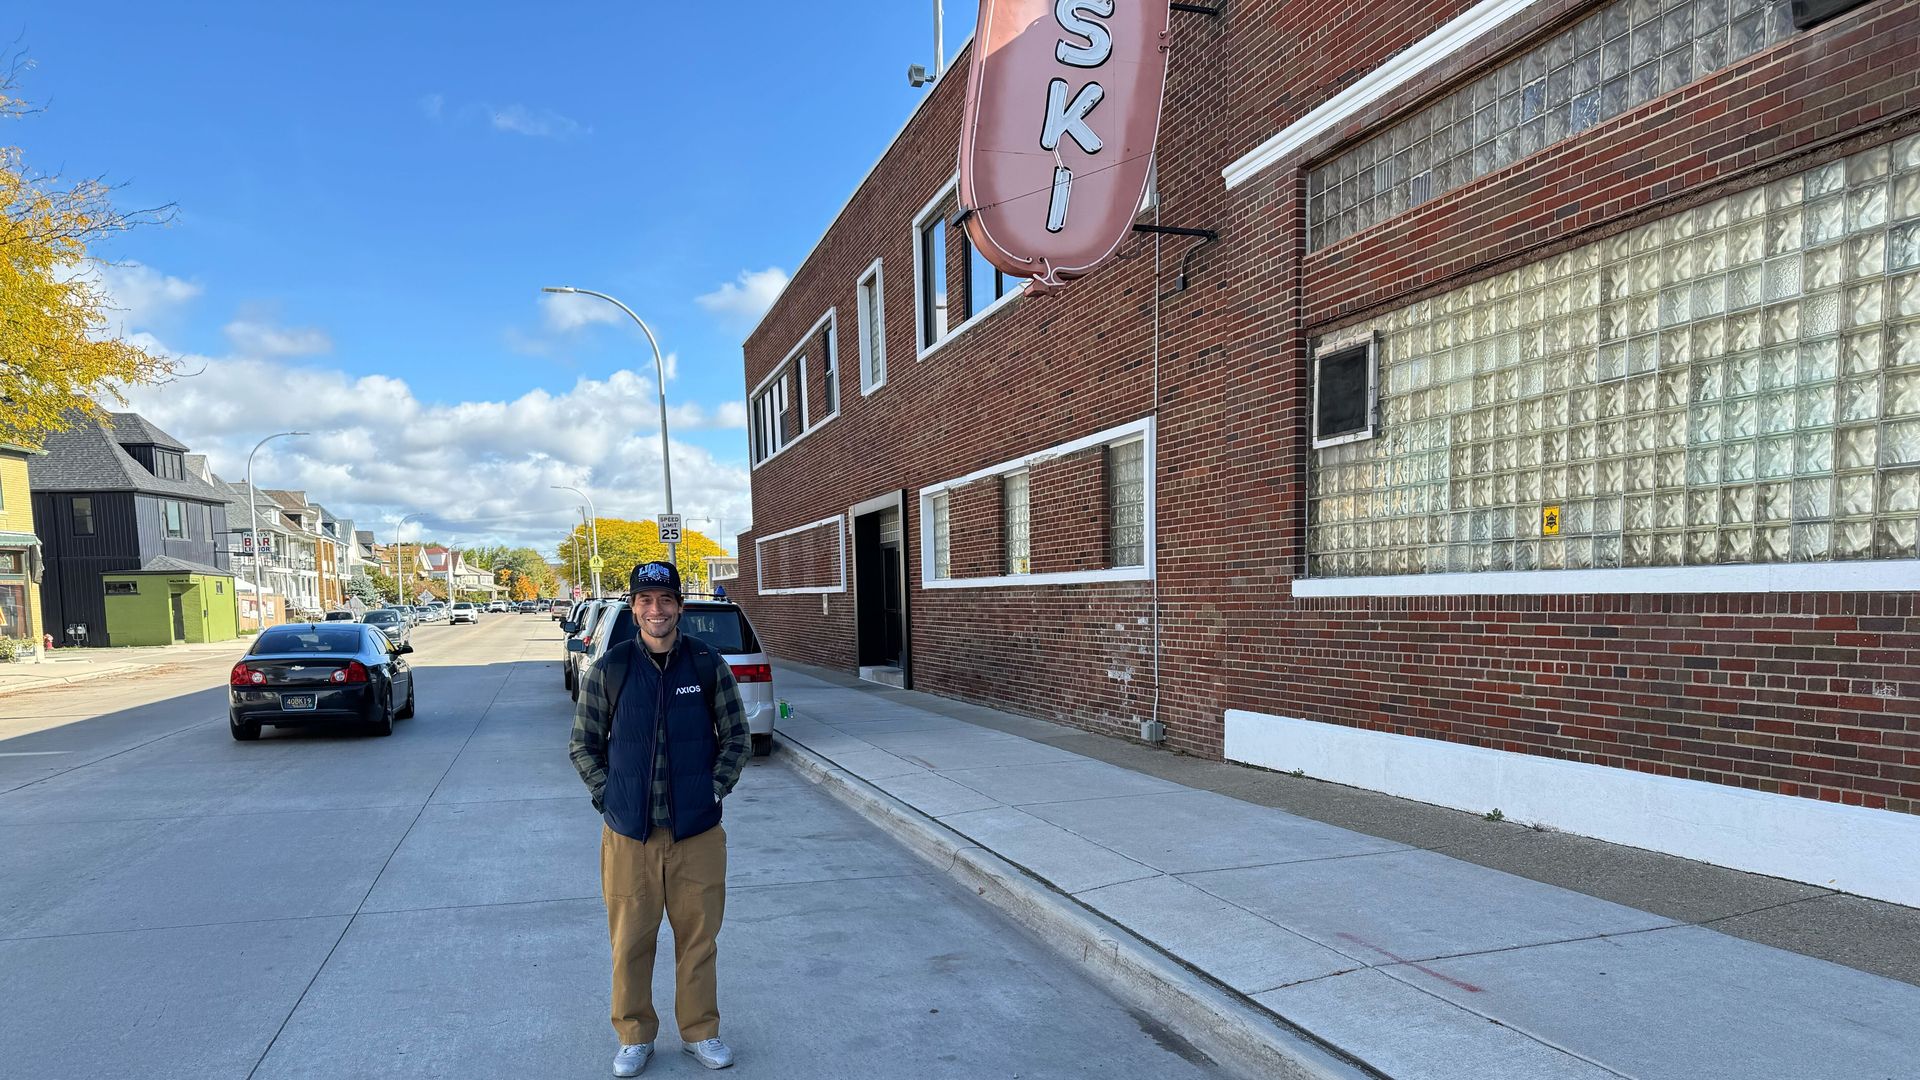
(752, 672)
(354, 672)
(242, 675)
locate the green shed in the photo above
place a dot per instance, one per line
(169, 600)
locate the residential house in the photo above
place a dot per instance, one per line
(129, 537)
(275, 572)
(310, 553)
(466, 577)
(19, 553)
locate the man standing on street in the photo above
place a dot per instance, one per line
(660, 738)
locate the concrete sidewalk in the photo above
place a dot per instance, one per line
(1411, 962)
(63, 666)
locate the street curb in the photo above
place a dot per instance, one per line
(1236, 1034)
(68, 680)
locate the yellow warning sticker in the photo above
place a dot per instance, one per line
(1549, 521)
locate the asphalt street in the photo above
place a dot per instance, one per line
(177, 904)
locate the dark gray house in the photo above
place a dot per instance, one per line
(114, 497)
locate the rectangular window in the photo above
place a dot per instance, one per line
(174, 515)
(1344, 391)
(13, 609)
(769, 419)
(1013, 500)
(1734, 384)
(933, 281)
(167, 465)
(82, 516)
(872, 329)
(942, 540)
(985, 283)
(829, 366)
(1127, 502)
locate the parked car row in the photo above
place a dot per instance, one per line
(594, 626)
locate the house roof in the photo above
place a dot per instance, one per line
(90, 456)
(167, 564)
(240, 517)
(132, 429)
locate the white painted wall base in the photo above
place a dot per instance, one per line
(1872, 853)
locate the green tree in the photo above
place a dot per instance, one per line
(57, 353)
(367, 590)
(626, 544)
(486, 558)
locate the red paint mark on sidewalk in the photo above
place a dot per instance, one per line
(1448, 979)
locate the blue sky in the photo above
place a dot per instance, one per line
(369, 202)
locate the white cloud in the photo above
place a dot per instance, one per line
(538, 123)
(731, 414)
(745, 299)
(141, 295)
(567, 312)
(479, 470)
(255, 338)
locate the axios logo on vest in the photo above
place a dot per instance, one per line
(694, 689)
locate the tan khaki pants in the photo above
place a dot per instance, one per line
(688, 880)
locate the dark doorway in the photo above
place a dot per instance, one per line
(880, 589)
(179, 617)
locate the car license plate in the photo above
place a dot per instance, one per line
(296, 701)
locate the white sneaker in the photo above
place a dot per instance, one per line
(631, 1058)
(712, 1053)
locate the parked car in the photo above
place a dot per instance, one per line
(309, 674)
(392, 623)
(582, 631)
(463, 612)
(527, 607)
(339, 616)
(435, 611)
(723, 625)
(616, 624)
(494, 606)
(558, 609)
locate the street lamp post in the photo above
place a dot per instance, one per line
(399, 556)
(584, 528)
(253, 515)
(660, 381)
(593, 532)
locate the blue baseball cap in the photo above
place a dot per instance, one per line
(655, 575)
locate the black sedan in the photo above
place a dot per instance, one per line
(391, 623)
(320, 673)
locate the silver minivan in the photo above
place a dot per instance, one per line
(721, 624)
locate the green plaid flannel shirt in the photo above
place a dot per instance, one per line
(593, 722)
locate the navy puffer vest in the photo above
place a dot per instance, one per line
(645, 691)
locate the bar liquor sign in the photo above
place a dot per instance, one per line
(1056, 145)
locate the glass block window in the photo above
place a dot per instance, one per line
(1013, 500)
(1127, 499)
(1623, 55)
(942, 538)
(1738, 383)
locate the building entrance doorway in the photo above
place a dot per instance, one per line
(179, 616)
(880, 590)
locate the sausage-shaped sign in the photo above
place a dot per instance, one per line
(1063, 103)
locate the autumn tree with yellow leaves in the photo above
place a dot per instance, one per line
(56, 354)
(626, 544)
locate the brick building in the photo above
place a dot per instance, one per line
(1542, 431)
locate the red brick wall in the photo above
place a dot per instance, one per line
(804, 560)
(1067, 503)
(976, 528)
(1812, 695)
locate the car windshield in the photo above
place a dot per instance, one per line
(721, 627)
(382, 618)
(308, 639)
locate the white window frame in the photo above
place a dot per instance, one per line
(1333, 345)
(1141, 430)
(759, 565)
(831, 322)
(922, 350)
(870, 322)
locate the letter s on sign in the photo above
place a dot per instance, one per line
(1101, 42)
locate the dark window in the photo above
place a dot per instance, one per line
(985, 283)
(167, 465)
(1343, 394)
(13, 609)
(831, 390)
(82, 516)
(123, 588)
(175, 514)
(933, 281)
(722, 628)
(1809, 13)
(308, 639)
